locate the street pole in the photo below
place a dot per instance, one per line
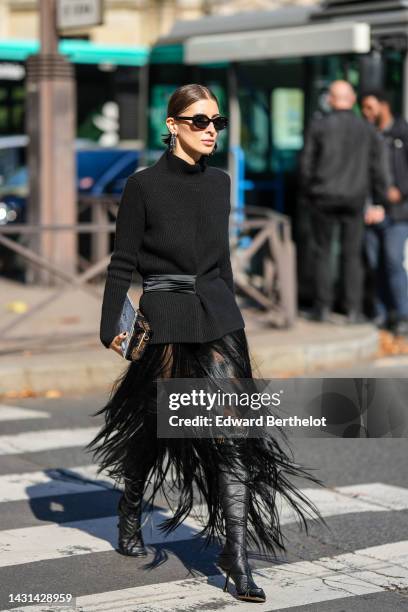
(50, 124)
(234, 131)
(405, 87)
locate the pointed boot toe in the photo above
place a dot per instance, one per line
(233, 559)
(240, 572)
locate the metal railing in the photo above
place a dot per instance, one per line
(272, 291)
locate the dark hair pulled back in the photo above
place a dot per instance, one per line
(181, 99)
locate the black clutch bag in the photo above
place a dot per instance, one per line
(138, 330)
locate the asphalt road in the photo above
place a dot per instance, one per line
(58, 526)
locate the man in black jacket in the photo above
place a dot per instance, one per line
(385, 241)
(341, 163)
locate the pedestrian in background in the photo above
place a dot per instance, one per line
(386, 235)
(341, 163)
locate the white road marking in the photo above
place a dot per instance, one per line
(33, 441)
(14, 413)
(30, 544)
(30, 485)
(52, 541)
(365, 571)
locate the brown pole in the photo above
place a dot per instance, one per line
(51, 127)
(48, 46)
(48, 27)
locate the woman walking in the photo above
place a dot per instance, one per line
(172, 226)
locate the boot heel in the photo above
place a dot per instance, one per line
(233, 560)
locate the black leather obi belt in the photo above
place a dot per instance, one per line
(181, 283)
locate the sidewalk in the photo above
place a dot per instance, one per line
(81, 363)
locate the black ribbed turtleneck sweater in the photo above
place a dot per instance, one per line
(173, 219)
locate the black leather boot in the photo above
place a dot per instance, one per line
(130, 541)
(233, 559)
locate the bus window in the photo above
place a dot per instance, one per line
(287, 118)
(254, 129)
(287, 106)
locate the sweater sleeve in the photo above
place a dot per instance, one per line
(309, 154)
(225, 260)
(130, 224)
(379, 168)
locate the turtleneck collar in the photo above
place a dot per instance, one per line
(181, 166)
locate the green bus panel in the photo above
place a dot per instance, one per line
(78, 51)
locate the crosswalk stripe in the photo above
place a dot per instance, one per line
(29, 544)
(362, 572)
(33, 441)
(30, 485)
(368, 570)
(378, 495)
(55, 541)
(15, 413)
(82, 479)
(58, 481)
(365, 497)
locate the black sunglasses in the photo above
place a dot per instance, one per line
(202, 121)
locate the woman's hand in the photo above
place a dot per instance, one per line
(374, 214)
(116, 342)
(394, 195)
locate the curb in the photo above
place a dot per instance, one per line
(95, 369)
(39, 374)
(281, 360)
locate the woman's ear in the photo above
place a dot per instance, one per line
(170, 123)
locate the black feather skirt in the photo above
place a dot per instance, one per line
(185, 470)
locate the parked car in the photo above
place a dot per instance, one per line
(100, 171)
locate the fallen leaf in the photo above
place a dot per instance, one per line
(17, 306)
(53, 393)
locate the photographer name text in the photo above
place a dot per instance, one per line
(259, 421)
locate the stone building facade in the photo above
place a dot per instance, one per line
(129, 22)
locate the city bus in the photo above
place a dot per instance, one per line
(270, 71)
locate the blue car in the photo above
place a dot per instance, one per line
(100, 172)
